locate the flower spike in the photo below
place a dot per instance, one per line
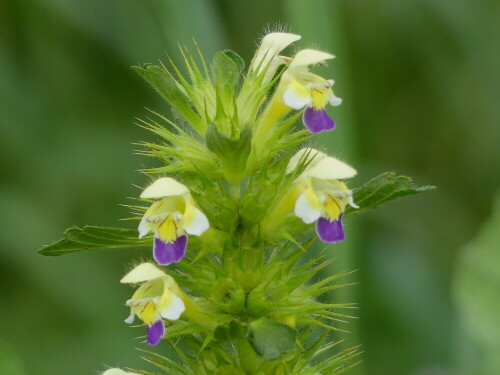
(305, 89)
(172, 217)
(323, 197)
(156, 299)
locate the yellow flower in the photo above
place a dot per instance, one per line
(301, 88)
(322, 196)
(171, 218)
(156, 299)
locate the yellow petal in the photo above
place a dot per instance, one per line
(319, 98)
(168, 230)
(143, 272)
(164, 187)
(148, 313)
(160, 211)
(308, 57)
(333, 208)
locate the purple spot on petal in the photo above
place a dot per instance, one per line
(155, 332)
(317, 121)
(169, 252)
(330, 231)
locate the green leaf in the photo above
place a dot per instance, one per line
(91, 238)
(271, 339)
(167, 86)
(384, 188)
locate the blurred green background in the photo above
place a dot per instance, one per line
(421, 93)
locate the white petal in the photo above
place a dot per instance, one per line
(174, 310)
(114, 371)
(334, 101)
(351, 203)
(305, 155)
(330, 169)
(295, 100)
(305, 210)
(117, 371)
(270, 46)
(130, 319)
(143, 227)
(143, 272)
(196, 224)
(308, 57)
(164, 187)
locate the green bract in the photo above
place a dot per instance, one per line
(243, 298)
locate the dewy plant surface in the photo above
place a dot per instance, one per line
(230, 213)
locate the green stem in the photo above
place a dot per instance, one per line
(246, 356)
(273, 112)
(281, 210)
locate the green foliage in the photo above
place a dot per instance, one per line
(166, 85)
(383, 188)
(91, 238)
(271, 339)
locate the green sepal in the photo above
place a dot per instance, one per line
(261, 191)
(228, 296)
(240, 63)
(233, 153)
(271, 339)
(229, 332)
(168, 87)
(92, 238)
(383, 188)
(226, 74)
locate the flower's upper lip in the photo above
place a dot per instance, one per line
(142, 273)
(308, 57)
(271, 45)
(164, 187)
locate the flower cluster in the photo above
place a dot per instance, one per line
(318, 193)
(237, 180)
